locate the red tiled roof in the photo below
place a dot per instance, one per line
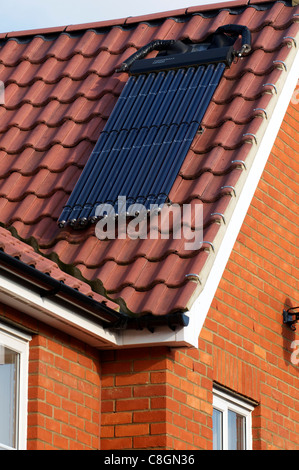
(14, 247)
(60, 88)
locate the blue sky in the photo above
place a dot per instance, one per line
(18, 15)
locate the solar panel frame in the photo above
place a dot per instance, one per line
(145, 141)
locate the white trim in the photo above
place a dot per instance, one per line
(19, 342)
(223, 402)
(66, 319)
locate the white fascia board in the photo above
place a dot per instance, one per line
(48, 311)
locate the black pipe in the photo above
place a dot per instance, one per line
(156, 45)
(50, 287)
(110, 319)
(172, 320)
(237, 30)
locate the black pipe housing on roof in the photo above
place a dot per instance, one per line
(218, 47)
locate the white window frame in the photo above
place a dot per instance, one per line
(18, 342)
(223, 402)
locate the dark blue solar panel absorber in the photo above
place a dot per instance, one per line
(145, 141)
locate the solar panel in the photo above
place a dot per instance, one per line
(149, 132)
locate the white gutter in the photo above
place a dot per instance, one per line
(50, 311)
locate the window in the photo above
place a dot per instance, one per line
(231, 422)
(13, 388)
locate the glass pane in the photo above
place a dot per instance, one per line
(217, 430)
(236, 431)
(9, 362)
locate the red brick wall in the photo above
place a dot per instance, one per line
(63, 391)
(157, 398)
(64, 394)
(163, 398)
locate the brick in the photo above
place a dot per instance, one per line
(53, 399)
(75, 445)
(85, 387)
(61, 415)
(116, 393)
(148, 416)
(40, 434)
(116, 418)
(107, 431)
(76, 396)
(60, 442)
(84, 438)
(116, 443)
(53, 426)
(84, 412)
(92, 403)
(68, 431)
(158, 402)
(133, 404)
(36, 393)
(69, 381)
(149, 365)
(132, 379)
(62, 364)
(116, 367)
(77, 370)
(54, 374)
(76, 421)
(69, 406)
(158, 377)
(92, 428)
(148, 390)
(69, 354)
(131, 430)
(54, 347)
(85, 361)
(147, 442)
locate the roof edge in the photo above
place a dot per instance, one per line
(89, 310)
(51, 287)
(202, 304)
